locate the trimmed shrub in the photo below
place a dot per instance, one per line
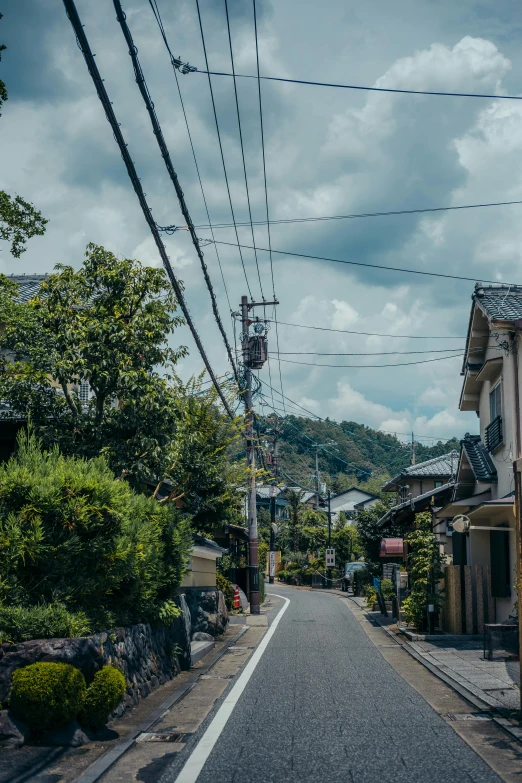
(388, 589)
(103, 696)
(46, 695)
(45, 621)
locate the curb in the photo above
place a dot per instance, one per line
(104, 762)
(474, 700)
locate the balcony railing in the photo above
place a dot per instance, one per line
(494, 434)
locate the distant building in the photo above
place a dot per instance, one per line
(351, 501)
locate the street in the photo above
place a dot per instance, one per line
(323, 703)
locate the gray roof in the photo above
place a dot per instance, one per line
(445, 465)
(479, 459)
(28, 285)
(416, 504)
(499, 301)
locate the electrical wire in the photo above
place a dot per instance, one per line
(367, 353)
(284, 221)
(369, 266)
(366, 89)
(364, 366)
(261, 123)
(242, 147)
(155, 10)
(85, 48)
(156, 127)
(375, 334)
(221, 149)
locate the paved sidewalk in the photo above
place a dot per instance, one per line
(496, 682)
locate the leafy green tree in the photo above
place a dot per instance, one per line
(347, 545)
(424, 567)
(105, 329)
(371, 533)
(19, 220)
(295, 509)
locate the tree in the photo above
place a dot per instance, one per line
(424, 567)
(295, 507)
(370, 532)
(19, 220)
(347, 545)
(88, 359)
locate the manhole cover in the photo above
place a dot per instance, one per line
(172, 736)
(458, 716)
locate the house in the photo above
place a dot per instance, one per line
(264, 495)
(481, 572)
(351, 501)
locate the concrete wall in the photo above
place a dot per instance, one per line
(201, 573)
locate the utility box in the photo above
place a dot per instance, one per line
(257, 351)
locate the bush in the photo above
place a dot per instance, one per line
(45, 695)
(103, 696)
(370, 594)
(44, 621)
(72, 533)
(388, 589)
(226, 588)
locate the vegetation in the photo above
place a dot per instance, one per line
(103, 696)
(46, 695)
(363, 448)
(43, 621)
(19, 220)
(71, 533)
(424, 568)
(225, 585)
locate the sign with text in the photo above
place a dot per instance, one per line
(272, 563)
(330, 558)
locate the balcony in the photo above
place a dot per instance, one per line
(494, 434)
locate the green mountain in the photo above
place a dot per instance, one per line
(354, 454)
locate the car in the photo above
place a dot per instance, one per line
(349, 570)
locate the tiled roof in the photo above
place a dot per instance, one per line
(445, 465)
(28, 285)
(479, 459)
(499, 301)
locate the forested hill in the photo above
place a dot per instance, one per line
(366, 451)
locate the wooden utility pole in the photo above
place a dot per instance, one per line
(273, 501)
(412, 449)
(253, 357)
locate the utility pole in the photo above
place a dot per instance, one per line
(412, 449)
(318, 446)
(254, 355)
(273, 500)
(330, 536)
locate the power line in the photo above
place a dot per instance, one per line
(173, 60)
(369, 266)
(284, 221)
(242, 148)
(221, 148)
(83, 44)
(366, 89)
(156, 127)
(366, 353)
(364, 366)
(261, 123)
(375, 334)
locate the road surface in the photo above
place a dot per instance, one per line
(324, 706)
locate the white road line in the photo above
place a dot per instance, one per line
(200, 754)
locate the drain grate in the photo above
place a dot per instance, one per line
(465, 716)
(171, 736)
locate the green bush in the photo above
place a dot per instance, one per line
(45, 695)
(44, 621)
(103, 696)
(388, 589)
(226, 588)
(71, 533)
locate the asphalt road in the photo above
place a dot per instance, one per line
(323, 706)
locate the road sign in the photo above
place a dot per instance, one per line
(272, 564)
(330, 558)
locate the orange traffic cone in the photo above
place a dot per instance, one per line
(237, 599)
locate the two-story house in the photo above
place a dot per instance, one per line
(485, 548)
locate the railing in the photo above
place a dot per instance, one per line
(494, 434)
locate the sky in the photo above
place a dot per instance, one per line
(328, 152)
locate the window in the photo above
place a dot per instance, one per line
(438, 484)
(495, 402)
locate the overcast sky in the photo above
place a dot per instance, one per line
(328, 152)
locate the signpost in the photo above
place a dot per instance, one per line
(330, 558)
